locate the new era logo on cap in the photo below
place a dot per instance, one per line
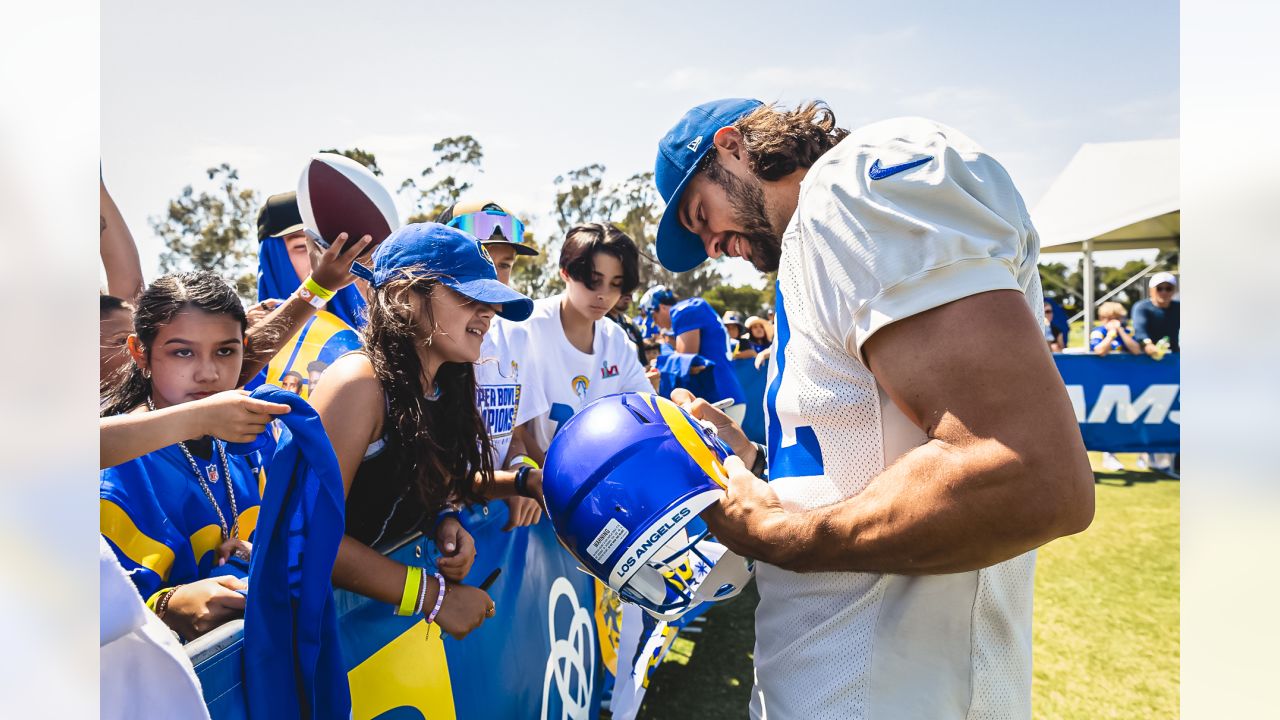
(693, 146)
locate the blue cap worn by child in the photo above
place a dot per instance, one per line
(455, 257)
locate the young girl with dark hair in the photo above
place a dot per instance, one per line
(402, 417)
(175, 516)
(575, 353)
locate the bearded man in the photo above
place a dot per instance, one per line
(921, 443)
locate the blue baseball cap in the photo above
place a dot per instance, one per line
(455, 257)
(679, 151)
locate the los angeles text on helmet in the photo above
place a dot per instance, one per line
(640, 551)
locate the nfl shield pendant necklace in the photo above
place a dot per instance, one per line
(212, 472)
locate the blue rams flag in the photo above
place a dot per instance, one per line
(293, 664)
(277, 279)
(323, 338)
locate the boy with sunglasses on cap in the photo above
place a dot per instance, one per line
(505, 399)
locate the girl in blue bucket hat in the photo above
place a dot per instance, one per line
(402, 417)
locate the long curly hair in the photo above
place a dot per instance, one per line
(444, 443)
(156, 307)
(779, 142)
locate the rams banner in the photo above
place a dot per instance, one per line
(1125, 403)
(540, 656)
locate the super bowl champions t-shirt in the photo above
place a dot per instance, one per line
(503, 393)
(566, 377)
(901, 217)
(713, 344)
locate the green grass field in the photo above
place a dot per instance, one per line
(1106, 621)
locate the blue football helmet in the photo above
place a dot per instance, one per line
(622, 480)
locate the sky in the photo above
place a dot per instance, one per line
(552, 86)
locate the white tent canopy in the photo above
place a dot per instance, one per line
(1122, 196)
(1112, 196)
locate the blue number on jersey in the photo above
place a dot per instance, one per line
(559, 413)
(804, 458)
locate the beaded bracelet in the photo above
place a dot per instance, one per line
(439, 601)
(163, 603)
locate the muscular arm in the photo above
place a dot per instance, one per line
(118, 250)
(1004, 469)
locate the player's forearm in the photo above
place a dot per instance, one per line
(940, 509)
(264, 340)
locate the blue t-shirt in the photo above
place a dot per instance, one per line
(1099, 334)
(1151, 322)
(713, 344)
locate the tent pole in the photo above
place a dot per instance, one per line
(1087, 247)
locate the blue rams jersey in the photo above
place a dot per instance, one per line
(160, 523)
(713, 344)
(324, 338)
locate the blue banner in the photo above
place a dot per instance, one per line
(540, 656)
(1125, 403)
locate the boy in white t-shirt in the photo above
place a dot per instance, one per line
(572, 353)
(503, 394)
(921, 442)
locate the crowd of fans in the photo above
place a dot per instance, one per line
(450, 397)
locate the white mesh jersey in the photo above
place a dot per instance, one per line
(902, 216)
(566, 378)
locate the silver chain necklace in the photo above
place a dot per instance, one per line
(234, 531)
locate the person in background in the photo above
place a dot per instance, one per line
(1052, 335)
(1112, 334)
(292, 381)
(619, 315)
(1157, 324)
(286, 258)
(760, 335)
(696, 330)
(739, 346)
(315, 369)
(115, 323)
(506, 399)
(1158, 318)
(188, 345)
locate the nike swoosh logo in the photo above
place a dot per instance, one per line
(880, 173)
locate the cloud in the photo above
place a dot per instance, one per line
(784, 79)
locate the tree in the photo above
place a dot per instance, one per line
(536, 275)
(745, 299)
(363, 157)
(457, 158)
(214, 231)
